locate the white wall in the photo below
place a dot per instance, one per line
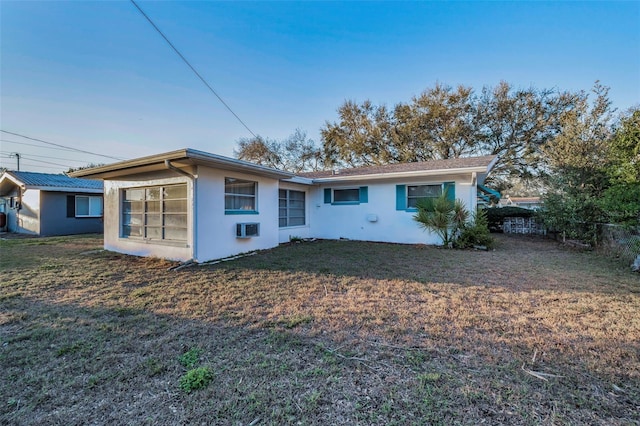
(216, 230)
(27, 219)
(139, 247)
(352, 221)
(286, 233)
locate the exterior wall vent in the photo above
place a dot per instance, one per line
(247, 230)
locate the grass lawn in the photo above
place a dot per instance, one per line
(325, 332)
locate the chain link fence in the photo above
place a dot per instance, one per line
(619, 241)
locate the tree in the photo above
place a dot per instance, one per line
(295, 154)
(446, 122)
(362, 137)
(578, 161)
(624, 150)
(514, 124)
(621, 200)
(438, 124)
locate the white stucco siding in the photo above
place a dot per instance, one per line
(216, 231)
(378, 219)
(302, 231)
(113, 239)
(26, 220)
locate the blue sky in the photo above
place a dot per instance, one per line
(96, 76)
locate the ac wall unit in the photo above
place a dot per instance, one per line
(247, 230)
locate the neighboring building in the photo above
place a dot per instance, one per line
(192, 205)
(48, 204)
(531, 203)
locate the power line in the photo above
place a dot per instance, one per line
(62, 146)
(192, 68)
(39, 146)
(43, 156)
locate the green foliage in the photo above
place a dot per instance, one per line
(476, 233)
(190, 358)
(195, 379)
(575, 216)
(442, 216)
(621, 202)
(625, 149)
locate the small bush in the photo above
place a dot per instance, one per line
(476, 233)
(195, 379)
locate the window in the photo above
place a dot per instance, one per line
(346, 195)
(239, 196)
(291, 208)
(418, 192)
(88, 206)
(155, 213)
(407, 196)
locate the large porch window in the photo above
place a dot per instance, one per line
(155, 213)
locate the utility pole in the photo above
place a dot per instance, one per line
(17, 159)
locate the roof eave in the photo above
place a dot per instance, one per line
(411, 174)
(187, 156)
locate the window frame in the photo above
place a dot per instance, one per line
(227, 195)
(287, 199)
(90, 198)
(162, 212)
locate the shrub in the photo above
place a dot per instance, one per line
(195, 379)
(442, 216)
(476, 233)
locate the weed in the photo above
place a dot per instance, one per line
(190, 358)
(197, 378)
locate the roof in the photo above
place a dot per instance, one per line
(451, 166)
(525, 199)
(47, 181)
(183, 160)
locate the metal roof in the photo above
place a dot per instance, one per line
(47, 181)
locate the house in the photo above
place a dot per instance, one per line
(193, 205)
(50, 204)
(530, 203)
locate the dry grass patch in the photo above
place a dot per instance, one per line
(319, 333)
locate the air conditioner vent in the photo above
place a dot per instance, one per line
(247, 230)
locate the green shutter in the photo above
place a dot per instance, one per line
(327, 195)
(450, 190)
(401, 197)
(364, 194)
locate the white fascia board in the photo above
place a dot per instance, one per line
(300, 180)
(411, 174)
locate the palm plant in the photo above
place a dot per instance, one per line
(442, 216)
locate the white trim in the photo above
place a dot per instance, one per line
(396, 175)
